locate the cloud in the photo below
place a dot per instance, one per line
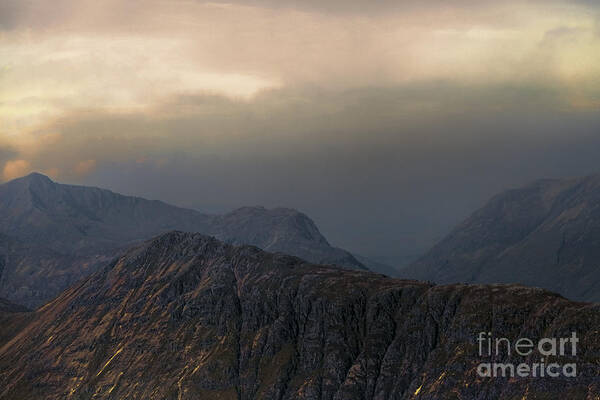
(7, 156)
(84, 168)
(385, 6)
(15, 168)
(370, 164)
(40, 14)
(124, 57)
(562, 32)
(9, 14)
(363, 114)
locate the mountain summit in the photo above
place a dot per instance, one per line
(55, 234)
(67, 217)
(185, 317)
(546, 234)
(33, 179)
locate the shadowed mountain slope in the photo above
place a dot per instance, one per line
(85, 219)
(378, 267)
(282, 230)
(546, 234)
(185, 316)
(8, 307)
(53, 234)
(13, 318)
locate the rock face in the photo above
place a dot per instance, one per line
(52, 235)
(185, 316)
(546, 234)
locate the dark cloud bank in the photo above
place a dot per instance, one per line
(384, 172)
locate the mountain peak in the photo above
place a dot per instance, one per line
(543, 234)
(37, 175)
(190, 317)
(34, 178)
(66, 226)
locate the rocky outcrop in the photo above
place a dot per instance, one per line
(546, 234)
(55, 234)
(185, 316)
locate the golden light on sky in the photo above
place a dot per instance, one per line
(96, 56)
(118, 57)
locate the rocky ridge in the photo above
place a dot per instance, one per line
(185, 316)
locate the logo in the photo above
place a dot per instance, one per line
(543, 349)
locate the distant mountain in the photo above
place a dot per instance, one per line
(278, 230)
(546, 234)
(52, 235)
(86, 219)
(185, 317)
(377, 266)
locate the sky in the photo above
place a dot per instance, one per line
(386, 122)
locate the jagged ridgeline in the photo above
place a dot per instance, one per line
(52, 235)
(185, 316)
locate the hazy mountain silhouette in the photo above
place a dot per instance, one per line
(185, 316)
(55, 234)
(546, 234)
(379, 267)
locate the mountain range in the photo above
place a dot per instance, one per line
(185, 316)
(545, 234)
(52, 235)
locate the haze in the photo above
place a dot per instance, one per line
(385, 123)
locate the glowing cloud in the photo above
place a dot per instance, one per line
(15, 168)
